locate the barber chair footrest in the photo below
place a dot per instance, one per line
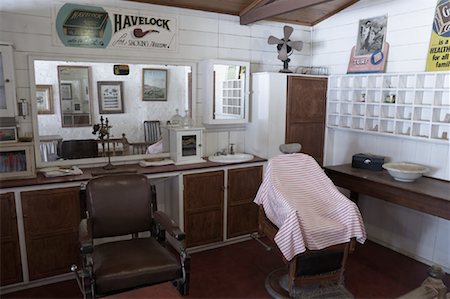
(277, 286)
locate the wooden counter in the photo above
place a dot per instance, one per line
(428, 195)
(89, 173)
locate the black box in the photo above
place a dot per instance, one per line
(368, 161)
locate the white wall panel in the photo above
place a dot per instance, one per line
(208, 39)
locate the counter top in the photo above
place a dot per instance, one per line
(89, 173)
(428, 195)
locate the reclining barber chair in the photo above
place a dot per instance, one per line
(125, 205)
(311, 222)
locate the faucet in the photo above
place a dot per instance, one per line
(231, 148)
(221, 153)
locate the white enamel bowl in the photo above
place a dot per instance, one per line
(405, 172)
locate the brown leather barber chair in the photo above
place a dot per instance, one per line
(124, 206)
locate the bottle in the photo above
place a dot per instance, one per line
(176, 119)
(187, 120)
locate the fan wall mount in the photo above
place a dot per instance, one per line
(285, 47)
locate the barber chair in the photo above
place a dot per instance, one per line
(314, 247)
(123, 208)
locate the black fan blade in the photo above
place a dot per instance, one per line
(274, 40)
(282, 54)
(287, 32)
(297, 45)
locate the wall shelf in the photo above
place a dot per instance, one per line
(413, 105)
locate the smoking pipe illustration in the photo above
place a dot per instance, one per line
(138, 33)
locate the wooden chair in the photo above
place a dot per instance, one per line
(152, 131)
(139, 148)
(117, 146)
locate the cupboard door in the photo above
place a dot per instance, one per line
(203, 207)
(7, 87)
(242, 213)
(305, 115)
(11, 267)
(51, 219)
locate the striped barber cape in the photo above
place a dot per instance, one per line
(306, 206)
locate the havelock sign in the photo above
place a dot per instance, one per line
(102, 27)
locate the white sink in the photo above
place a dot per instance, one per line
(236, 158)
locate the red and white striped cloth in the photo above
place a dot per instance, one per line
(306, 206)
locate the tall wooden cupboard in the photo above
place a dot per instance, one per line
(287, 108)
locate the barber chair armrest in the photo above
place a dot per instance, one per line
(85, 236)
(169, 225)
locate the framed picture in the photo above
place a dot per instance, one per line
(154, 85)
(44, 99)
(8, 134)
(66, 91)
(110, 97)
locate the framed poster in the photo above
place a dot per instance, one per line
(110, 97)
(438, 57)
(371, 35)
(369, 55)
(154, 85)
(44, 99)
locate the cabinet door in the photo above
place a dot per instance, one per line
(11, 267)
(51, 219)
(242, 213)
(203, 207)
(305, 114)
(7, 88)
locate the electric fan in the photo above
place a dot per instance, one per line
(285, 47)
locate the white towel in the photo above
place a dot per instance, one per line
(306, 206)
(51, 172)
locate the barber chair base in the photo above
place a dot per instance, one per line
(277, 286)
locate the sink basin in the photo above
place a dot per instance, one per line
(236, 158)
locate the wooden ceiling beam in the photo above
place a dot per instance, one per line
(253, 5)
(260, 12)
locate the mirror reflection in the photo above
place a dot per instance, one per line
(85, 91)
(74, 94)
(229, 91)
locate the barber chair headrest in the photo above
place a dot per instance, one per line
(290, 148)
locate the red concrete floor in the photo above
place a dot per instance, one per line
(240, 270)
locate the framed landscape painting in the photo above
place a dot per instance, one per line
(154, 85)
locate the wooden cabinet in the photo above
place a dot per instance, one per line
(203, 207)
(287, 108)
(305, 114)
(11, 267)
(204, 204)
(242, 213)
(51, 219)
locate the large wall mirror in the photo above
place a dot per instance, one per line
(84, 91)
(74, 95)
